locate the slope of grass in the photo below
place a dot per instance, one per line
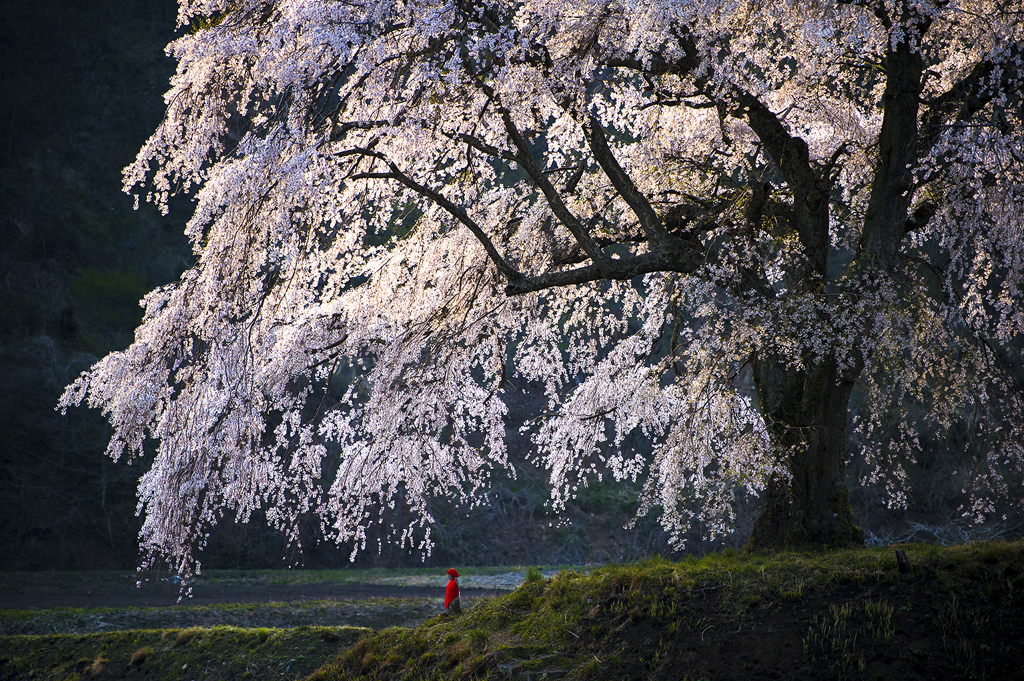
(219, 653)
(959, 613)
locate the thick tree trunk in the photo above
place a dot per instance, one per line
(806, 415)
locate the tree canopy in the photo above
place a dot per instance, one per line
(642, 207)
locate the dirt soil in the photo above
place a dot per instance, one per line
(167, 594)
(932, 636)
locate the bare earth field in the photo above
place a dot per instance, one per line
(162, 595)
(37, 603)
(230, 626)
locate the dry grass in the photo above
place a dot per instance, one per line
(141, 655)
(97, 666)
(184, 637)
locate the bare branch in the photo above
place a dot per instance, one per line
(483, 147)
(558, 207)
(891, 192)
(967, 97)
(623, 183)
(620, 270)
(510, 273)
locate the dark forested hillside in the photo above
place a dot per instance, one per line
(80, 88)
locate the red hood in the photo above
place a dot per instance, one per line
(453, 573)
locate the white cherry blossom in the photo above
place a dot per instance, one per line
(404, 206)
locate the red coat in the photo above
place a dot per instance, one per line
(452, 592)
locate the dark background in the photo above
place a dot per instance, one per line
(80, 86)
(80, 91)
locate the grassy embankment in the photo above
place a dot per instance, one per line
(959, 613)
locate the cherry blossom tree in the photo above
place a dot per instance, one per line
(403, 205)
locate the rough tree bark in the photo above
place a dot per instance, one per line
(806, 410)
(806, 414)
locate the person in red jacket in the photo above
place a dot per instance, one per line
(451, 594)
